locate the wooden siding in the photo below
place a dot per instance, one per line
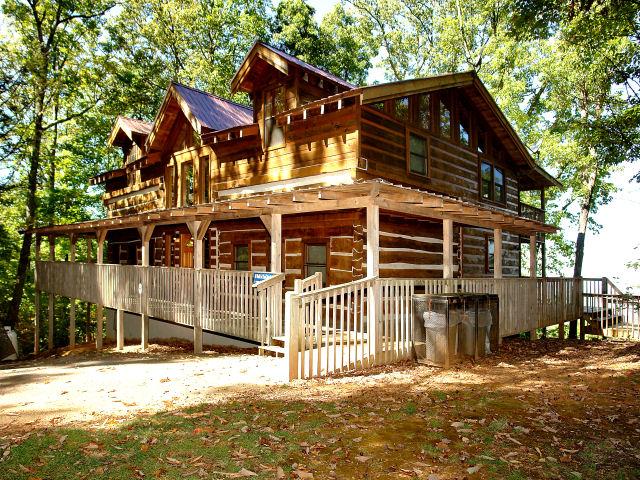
(453, 169)
(474, 253)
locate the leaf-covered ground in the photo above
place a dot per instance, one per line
(547, 409)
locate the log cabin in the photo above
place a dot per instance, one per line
(415, 179)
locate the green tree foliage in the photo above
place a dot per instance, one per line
(339, 44)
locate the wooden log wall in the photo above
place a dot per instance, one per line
(412, 248)
(453, 169)
(474, 247)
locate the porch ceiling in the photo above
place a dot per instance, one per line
(408, 201)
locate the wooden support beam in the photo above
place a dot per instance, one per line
(497, 253)
(447, 248)
(99, 326)
(120, 329)
(275, 231)
(72, 301)
(373, 240)
(533, 334)
(304, 197)
(36, 329)
(52, 297)
(101, 236)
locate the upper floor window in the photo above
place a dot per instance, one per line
(401, 108)
(482, 141)
(205, 174)
(423, 111)
(188, 184)
(241, 257)
(492, 182)
(445, 117)
(274, 103)
(464, 132)
(418, 153)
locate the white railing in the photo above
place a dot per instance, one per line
(366, 322)
(615, 315)
(221, 301)
(309, 284)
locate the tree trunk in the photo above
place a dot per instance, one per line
(13, 309)
(583, 223)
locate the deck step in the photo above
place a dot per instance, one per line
(273, 349)
(278, 341)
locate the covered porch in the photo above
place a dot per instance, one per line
(230, 302)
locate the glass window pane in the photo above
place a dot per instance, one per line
(424, 113)
(498, 178)
(486, 179)
(490, 250)
(445, 120)
(317, 254)
(312, 269)
(417, 154)
(401, 108)
(464, 130)
(241, 257)
(187, 171)
(378, 106)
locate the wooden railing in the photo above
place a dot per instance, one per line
(609, 311)
(221, 301)
(358, 324)
(309, 284)
(529, 211)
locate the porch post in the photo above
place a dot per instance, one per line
(87, 333)
(533, 334)
(198, 230)
(52, 297)
(36, 331)
(100, 237)
(145, 236)
(72, 301)
(497, 253)
(120, 329)
(276, 242)
(447, 248)
(373, 270)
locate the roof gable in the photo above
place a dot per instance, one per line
(203, 110)
(280, 61)
(125, 128)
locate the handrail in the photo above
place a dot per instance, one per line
(317, 103)
(267, 282)
(335, 287)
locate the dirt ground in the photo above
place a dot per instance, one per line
(84, 387)
(545, 409)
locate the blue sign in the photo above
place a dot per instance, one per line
(261, 276)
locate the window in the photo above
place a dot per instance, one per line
(377, 106)
(241, 257)
(464, 133)
(315, 260)
(274, 103)
(206, 179)
(401, 108)
(488, 254)
(418, 154)
(485, 173)
(187, 184)
(445, 118)
(492, 182)
(423, 112)
(498, 185)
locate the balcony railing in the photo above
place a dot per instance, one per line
(531, 212)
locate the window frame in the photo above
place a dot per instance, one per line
(418, 133)
(312, 243)
(494, 163)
